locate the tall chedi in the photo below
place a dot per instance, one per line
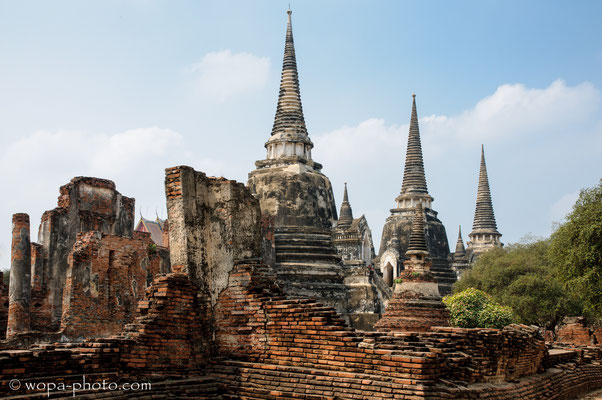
(484, 235)
(291, 189)
(396, 232)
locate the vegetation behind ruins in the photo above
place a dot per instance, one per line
(473, 308)
(544, 280)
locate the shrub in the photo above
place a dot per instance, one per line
(473, 308)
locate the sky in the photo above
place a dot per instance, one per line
(124, 89)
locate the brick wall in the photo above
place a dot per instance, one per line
(272, 347)
(574, 330)
(106, 277)
(164, 340)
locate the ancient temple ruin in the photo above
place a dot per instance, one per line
(293, 191)
(88, 270)
(238, 308)
(397, 228)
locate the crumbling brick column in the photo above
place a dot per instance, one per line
(19, 292)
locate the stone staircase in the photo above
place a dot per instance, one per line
(307, 264)
(305, 245)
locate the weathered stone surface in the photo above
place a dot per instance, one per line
(368, 295)
(395, 239)
(213, 222)
(367, 292)
(295, 195)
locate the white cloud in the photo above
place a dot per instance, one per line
(222, 74)
(540, 143)
(370, 142)
(37, 165)
(512, 111)
(563, 206)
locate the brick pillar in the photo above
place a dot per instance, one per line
(37, 264)
(165, 234)
(19, 291)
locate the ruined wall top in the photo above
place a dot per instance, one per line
(91, 203)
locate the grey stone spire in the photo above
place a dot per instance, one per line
(460, 249)
(289, 112)
(484, 233)
(413, 187)
(414, 180)
(346, 214)
(417, 239)
(289, 142)
(484, 219)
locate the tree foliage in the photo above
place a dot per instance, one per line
(522, 277)
(473, 308)
(576, 250)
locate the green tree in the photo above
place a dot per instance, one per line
(522, 277)
(473, 308)
(576, 250)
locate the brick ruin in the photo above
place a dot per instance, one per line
(88, 270)
(238, 306)
(220, 326)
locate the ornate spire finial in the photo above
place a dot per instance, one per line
(414, 180)
(484, 218)
(346, 214)
(289, 112)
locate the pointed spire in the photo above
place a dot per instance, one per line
(417, 239)
(289, 112)
(460, 249)
(484, 219)
(414, 180)
(346, 214)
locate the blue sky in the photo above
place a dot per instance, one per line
(124, 89)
